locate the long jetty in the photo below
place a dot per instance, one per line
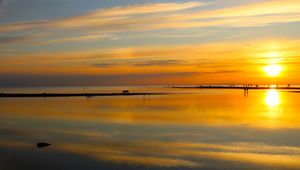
(74, 94)
(243, 87)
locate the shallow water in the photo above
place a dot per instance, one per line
(190, 129)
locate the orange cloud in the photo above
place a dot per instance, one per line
(208, 61)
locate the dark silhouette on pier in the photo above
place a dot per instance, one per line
(125, 91)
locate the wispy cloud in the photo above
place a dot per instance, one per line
(157, 63)
(118, 17)
(13, 39)
(210, 56)
(133, 78)
(146, 9)
(243, 60)
(141, 63)
(130, 16)
(189, 61)
(82, 38)
(156, 16)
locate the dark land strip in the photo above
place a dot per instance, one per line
(74, 94)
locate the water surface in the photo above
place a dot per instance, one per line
(190, 129)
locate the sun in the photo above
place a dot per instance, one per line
(272, 70)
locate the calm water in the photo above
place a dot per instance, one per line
(192, 129)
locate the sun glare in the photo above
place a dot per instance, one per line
(273, 54)
(272, 98)
(272, 70)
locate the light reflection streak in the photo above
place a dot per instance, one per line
(272, 98)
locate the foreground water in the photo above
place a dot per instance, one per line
(190, 129)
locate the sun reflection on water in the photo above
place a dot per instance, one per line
(272, 98)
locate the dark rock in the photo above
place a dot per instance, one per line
(42, 145)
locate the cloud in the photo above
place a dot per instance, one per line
(141, 63)
(146, 9)
(119, 17)
(157, 16)
(82, 38)
(21, 80)
(104, 65)
(242, 60)
(157, 63)
(13, 39)
(129, 17)
(269, 7)
(220, 72)
(103, 21)
(14, 133)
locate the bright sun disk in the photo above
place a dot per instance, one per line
(272, 70)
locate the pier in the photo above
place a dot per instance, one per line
(246, 87)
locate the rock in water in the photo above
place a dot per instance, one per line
(42, 145)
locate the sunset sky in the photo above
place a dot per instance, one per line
(149, 42)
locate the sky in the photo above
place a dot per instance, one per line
(148, 42)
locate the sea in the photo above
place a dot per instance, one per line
(184, 129)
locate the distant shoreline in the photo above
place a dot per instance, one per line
(74, 94)
(236, 87)
(127, 93)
